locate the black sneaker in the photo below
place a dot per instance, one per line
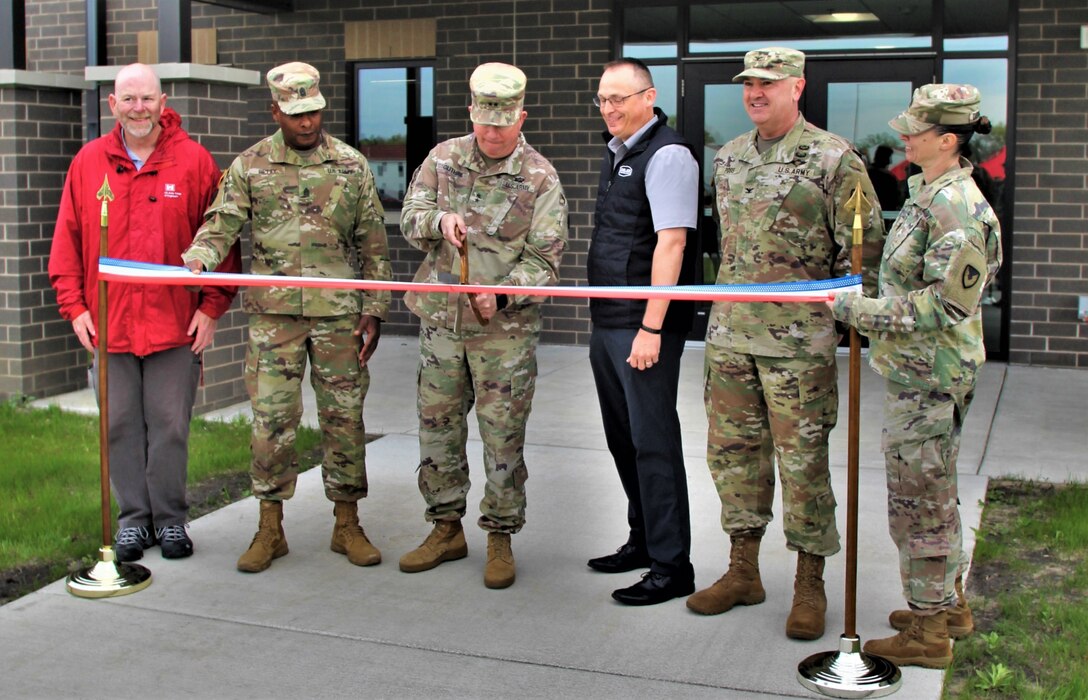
(174, 541)
(131, 543)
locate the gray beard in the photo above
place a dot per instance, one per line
(134, 133)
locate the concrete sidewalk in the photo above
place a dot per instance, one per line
(315, 626)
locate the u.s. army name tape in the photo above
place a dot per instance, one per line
(114, 270)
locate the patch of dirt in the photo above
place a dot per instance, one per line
(24, 579)
(213, 494)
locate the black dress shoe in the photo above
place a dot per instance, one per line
(627, 558)
(655, 588)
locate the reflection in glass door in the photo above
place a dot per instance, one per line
(990, 76)
(714, 115)
(394, 108)
(859, 112)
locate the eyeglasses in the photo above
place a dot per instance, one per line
(599, 101)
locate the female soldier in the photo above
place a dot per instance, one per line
(925, 333)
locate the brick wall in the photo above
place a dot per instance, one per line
(1050, 226)
(40, 133)
(213, 115)
(560, 44)
(56, 36)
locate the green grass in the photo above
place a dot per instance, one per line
(1031, 637)
(50, 478)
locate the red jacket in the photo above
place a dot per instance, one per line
(152, 218)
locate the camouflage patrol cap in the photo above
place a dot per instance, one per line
(498, 94)
(772, 63)
(295, 88)
(939, 103)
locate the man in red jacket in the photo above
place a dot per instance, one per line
(161, 182)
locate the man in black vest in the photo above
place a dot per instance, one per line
(645, 222)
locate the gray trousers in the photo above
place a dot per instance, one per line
(150, 406)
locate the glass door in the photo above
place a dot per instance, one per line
(854, 99)
(713, 115)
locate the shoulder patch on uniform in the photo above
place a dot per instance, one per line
(965, 279)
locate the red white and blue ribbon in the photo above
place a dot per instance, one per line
(114, 270)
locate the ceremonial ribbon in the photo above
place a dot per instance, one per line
(114, 270)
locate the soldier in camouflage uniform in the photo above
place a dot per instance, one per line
(315, 212)
(488, 195)
(925, 332)
(770, 376)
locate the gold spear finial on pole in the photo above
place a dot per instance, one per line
(849, 672)
(105, 195)
(861, 207)
(108, 577)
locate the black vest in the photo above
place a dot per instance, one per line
(622, 248)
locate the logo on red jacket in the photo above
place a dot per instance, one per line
(170, 191)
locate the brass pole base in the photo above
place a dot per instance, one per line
(849, 673)
(108, 578)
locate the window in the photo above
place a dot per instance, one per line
(990, 76)
(394, 123)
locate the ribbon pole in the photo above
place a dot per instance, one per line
(108, 577)
(854, 437)
(103, 372)
(849, 672)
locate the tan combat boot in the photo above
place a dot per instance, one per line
(806, 618)
(739, 586)
(499, 570)
(348, 537)
(269, 543)
(445, 543)
(960, 621)
(923, 643)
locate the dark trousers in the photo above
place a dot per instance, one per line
(643, 432)
(151, 404)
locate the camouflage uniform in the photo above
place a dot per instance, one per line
(770, 385)
(314, 215)
(516, 215)
(925, 332)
